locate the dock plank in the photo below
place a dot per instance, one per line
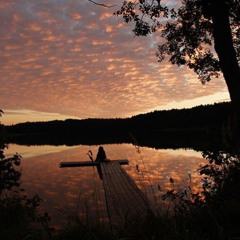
(115, 210)
(129, 202)
(139, 195)
(125, 200)
(89, 163)
(122, 192)
(135, 195)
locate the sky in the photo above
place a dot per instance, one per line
(64, 59)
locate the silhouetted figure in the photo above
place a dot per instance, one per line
(101, 155)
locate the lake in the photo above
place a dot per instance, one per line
(79, 190)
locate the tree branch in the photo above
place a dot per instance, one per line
(101, 4)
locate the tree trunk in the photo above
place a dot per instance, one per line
(225, 50)
(230, 68)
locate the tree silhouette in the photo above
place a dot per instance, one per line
(190, 32)
(1, 133)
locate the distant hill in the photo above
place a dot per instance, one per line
(202, 123)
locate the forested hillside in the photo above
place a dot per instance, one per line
(200, 123)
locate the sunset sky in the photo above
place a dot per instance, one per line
(73, 59)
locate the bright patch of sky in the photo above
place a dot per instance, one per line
(73, 59)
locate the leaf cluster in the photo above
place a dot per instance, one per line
(9, 175)
(220, 173)
(187, 31)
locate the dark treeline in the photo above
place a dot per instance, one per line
(195, 127)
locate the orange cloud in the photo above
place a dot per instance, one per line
(75, 16)
(33, 27)
(77, 52)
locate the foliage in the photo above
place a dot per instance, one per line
(222, 171)
(1, 132)
(9, 176)
(187, 30)
(19, 218)
(213, 213)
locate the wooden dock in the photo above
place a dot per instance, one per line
(125, 201)
(90, 163)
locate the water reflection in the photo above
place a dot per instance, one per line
(81, 190)
(31, 151)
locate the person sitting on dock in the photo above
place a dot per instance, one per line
(101, 155)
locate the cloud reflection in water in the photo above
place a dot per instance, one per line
(63, 187)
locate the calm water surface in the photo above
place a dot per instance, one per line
(79, 189)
